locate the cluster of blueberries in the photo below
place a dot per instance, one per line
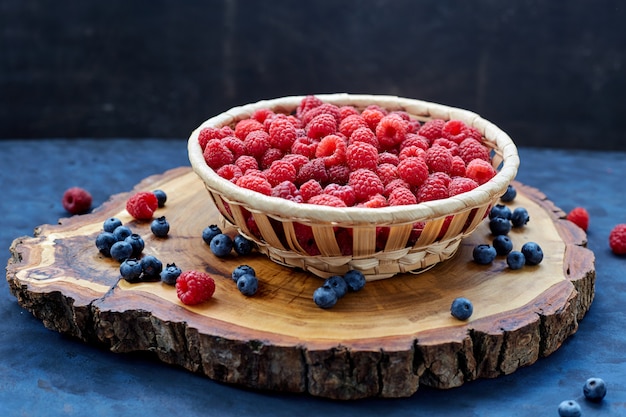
(336, 287)
(594, 390)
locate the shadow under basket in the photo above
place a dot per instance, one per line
(380, 242)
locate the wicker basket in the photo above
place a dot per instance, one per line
(446, 222)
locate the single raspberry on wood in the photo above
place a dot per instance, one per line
(76, 200)
(194, 287)
(617, 239)
(580, 217)
(142, 205)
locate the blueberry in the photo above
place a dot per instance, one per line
(210, 232)
(104, 241)
(519, 217)
(499, 226)
(121, 251)
(247, 284)
(122, 232)
(242, 270)
(594, 389)
(170, 274)
(570, 408)
(151, 267)
(136, 241)
(242, 245)
(160, 227)
(161, 197)
(110, 224)
(509, 195)
(461, 308)
(131, 270)
(532, 253)
(325, 297)
(515, 259)
(354, 279)
(221, 245)
(337, 284)
(484, 254)
(502, 244)
(500, 210)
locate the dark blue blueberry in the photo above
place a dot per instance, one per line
(532, 253)
(121, 251)
(170, 274)
(104, 241)
(594, 389)
(515, 260)
(500, 210)
(160, 227)
(131, 270)
(221, 245)
(122, 232)
(337, 284)
(484, 254)
(151, 267)
(502, 244)
(354, 279)
(242, 245)
(519, 217)
(111, 224)
(242, 270)
(248, 284)
(325, 297)
(210, 232)
(161, 197)
(569, 408)
(499, 226)
(461, 308)
(136, 241)
(509, 195)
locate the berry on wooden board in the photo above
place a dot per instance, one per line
(195, 287)
(142, 205)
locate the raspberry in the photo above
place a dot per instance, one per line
(257, 143)
(321, 125)
(447, 143)
(244, 127)
(345, 192)
(382, 235)
(413, 126)
(472, 132)
(260, 115)
(270, 155)
(194, 287)
(296, 160)
(432, 189)
(413, 170)
(410, 151)
(288, 191)
(372, 117)
(255, 183)
(327, 200)
(438, 159)
(306, 239)
(332, 149)
(391, 131)
(246, 162)
(460, 185)
(282, 133)
(401, 196)
(310, 189)
(338, 174)
(480, 171)
(345, 111)
(230, 172)
(413, 139)
(376, 201)
(364, 134)
(208, 133)
(344, 240)
(441, 176)
(280, 171)
(580, 217)
(395, 184)
(387, 173)
(307, 104)
(416, 232)
(457, 169)
(361, 155)
(321, 109)
(470, 149)
(142, 205)
(76, 200)
(348, 125)
(314, 169)
(235, 146)
(388, 158)
(217, 154)
(305, 146)
(365, 184)
(431, 130)
(454, 130)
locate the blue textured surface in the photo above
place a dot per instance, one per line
(45, 373)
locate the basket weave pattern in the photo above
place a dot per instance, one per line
(445, 222)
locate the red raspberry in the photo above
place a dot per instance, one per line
(387, 173)
(438, 159)
(457, 169)
(310, 189)
(376, 201)
(142, 205)
(470, 149)
(321, 109)
(401, 196)
(307, 104)
(327, 200)
(288, 191)
(246, 162)
(388, 158)
(480, 171)
(216, 154)
(344, 240)
(382, 235)
(194, 287)
(280, 171)
(362, 155)
(270, 155)
(257, 143)
(306, 239)
(332, 149)
(260, 115)
(230, 172)
(431, 129)
(395, 184)
(391, 131)
(413, 170)
(345, 111)
(447, 143)
(365, 184)
(296, 160)
(617, 239)
(313, 170)
(454, 130)
(472, 132)
(413, 126)
(432, 189)
(76, 200)
(416, 232)
(321, 125)
(236, 146)
(411, 151)
(364, 134)
(372, 117)
(208, 133)
(441, 176)
(580, 217)
(282, 133)
(345, 192)
(413, 139)
(245, 126)
(305, 146)
(256, 183)
(348, 125)
(460, 185)
(338, 174)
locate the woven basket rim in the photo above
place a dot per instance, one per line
(357, 215)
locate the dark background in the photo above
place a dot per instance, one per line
(549, 73)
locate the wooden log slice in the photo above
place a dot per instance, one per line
(386, 340)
